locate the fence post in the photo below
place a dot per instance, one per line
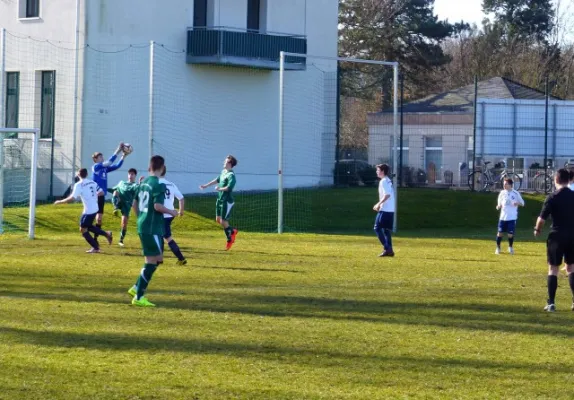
(474, 129)
(546, 87)
(338, 126)
(401, 136)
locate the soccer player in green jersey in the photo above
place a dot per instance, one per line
(122, 199)
(225, 184)
(148, 206)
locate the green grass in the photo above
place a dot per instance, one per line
(296, 316)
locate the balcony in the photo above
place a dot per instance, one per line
(229, 46)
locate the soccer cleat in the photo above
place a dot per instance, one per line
(110, 237)
(572, 308)
(388, 254)
(121, 244)
(132, 291)
(232, 240)
(497, 251)
(510, 250)
(142, 302)
(181, 262)
(117, 212)
(93, 250)
(550, 308)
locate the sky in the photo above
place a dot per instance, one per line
(471, 10)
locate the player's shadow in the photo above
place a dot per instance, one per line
(249, 269)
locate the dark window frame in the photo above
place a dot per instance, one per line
(12, 89)
(200, 13)
(32, 8)
(47, 131)
(254, 16)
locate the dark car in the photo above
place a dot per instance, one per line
(355, 173)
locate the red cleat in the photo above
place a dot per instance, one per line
(232, 240)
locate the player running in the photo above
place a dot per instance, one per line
(149, 208)
(87, 190)
(122, 199)
(171, 192)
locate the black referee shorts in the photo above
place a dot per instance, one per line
(101, 204)
(560, 248)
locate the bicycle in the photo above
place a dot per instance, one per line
(484, 180)
(543, 181)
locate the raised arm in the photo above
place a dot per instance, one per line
(208, 184)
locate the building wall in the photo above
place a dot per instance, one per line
(202, 113)
(41, 44)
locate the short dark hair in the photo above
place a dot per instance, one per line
(384, 168)
(83, 173)
(562, 176)
(509, 181)
(133, 171)
(96, 155)
(571, 174)
(164, 171)
(156, 163)
(232, 160)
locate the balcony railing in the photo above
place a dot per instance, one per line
(229, 46)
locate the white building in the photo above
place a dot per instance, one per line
(208, 86)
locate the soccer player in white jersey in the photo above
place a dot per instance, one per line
(385, 209)
(171, 193)
(89, 192)
(508, 202)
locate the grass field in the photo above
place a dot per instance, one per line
(295, 316)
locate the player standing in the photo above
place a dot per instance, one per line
(87, 190)
(171, 192)
(508, 202)
(225, 184)
(149, 208)
(100, 171)
(385, 209)
(123, 198)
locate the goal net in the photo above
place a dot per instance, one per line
(18, 178)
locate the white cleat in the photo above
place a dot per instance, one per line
(497, 251)
(121, 244)
(510, 250)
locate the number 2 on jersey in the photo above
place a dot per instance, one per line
(143, 201)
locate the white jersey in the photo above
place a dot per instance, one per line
(171, 193)
(87, 190)
(508, 211)
(386, 187)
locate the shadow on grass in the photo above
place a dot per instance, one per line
(453, 315)
(107, 341)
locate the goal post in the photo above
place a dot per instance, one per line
(381, 144)
(18, 174)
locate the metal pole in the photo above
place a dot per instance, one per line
(76, 86)
(151, 96)
(52, 131)
(546, 132)
(280, 152)
(2, 120)
(395, 134)
(338, 126)
(33, 178)
(474, 129)
(401, 135)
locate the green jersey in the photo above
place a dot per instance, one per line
(226, 179)
(149, 193)
(127, 191)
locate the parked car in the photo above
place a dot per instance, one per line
(355, 173)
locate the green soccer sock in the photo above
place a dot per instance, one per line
(144, 279)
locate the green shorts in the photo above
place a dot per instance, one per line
(223, 209)
(151, 245)
(125, 208)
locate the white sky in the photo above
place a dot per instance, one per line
(471, 10)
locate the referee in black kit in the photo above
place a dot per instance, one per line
(560, 243)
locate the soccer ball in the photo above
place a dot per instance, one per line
(127, 149)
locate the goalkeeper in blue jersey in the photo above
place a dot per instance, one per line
(100, 171)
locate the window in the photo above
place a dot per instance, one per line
(405, 150)
(29, 9)
(48, 97)
(253, 15)
(12, 99)
(200, 13)
(433, 158)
